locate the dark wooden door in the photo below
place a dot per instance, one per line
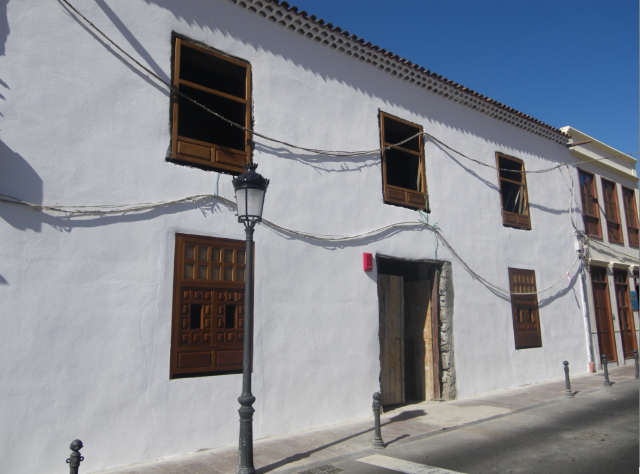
(627, 329)
(391, 318)
(604, 326)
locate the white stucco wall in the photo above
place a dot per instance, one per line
(86, 302)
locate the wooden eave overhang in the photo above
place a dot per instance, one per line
(584, 153)
(311, 27)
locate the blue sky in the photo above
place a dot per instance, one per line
(565, 62)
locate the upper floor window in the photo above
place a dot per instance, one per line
(513, 192)
(611, 213)
(590, 212)
(403, 171)
(631, 213)
(223, 85)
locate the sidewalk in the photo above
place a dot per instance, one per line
(294, 452)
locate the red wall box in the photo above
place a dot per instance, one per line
(367, 260)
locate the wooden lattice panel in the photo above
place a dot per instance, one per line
(208, 320)
(526, 321)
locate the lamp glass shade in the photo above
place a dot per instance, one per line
(250, 201)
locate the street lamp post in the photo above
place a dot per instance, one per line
(250, 188)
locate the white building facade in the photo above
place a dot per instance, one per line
(124, 328)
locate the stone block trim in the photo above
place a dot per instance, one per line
(448, 385)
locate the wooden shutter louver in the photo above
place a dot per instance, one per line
(526, 321)
(612, 215)
(631, 215)
(590, 212)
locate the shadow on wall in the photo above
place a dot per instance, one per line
(4, 25)
(18, 179)
(134, 42)
(4, 34)
(332, 66)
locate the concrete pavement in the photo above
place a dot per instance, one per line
(308, 450)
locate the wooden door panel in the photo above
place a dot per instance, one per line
(602, 306)
(625, 315)
(418, 333)
(391, 333)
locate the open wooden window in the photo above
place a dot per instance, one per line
(611, 213)
(223, 85)
(513, 192)
(524, 308)
(403, 171)
(631, 213)
(590, 212)
(208, 305)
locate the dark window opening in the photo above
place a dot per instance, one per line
(195, 316)
(198, 124)
(403, 170)
(396, 132)
(230, 316)
(209, 71)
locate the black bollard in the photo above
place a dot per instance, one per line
(635, 356)
(75, 458)
(567, 393)
(606, 372)
(377, 437)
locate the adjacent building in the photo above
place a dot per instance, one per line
(122, 263)
(608, 184)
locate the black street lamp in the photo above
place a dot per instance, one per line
(250, 189)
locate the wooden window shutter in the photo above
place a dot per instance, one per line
(403, 167)
(631, 215)
(221, 84)
(590, 212)
(612, 215)
(524, 308)
(208, 306)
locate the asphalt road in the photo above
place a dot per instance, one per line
(595, 432)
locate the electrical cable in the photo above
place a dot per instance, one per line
(127, 208)
(310, 150)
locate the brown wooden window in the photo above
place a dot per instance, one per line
(524, 308)
(513, 192)
(221, 84)
(611, 213)
(631, 213)
(590, 212)
(403, 170)
(208, 305)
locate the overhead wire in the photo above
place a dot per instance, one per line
(139, 207)
(333, 153)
